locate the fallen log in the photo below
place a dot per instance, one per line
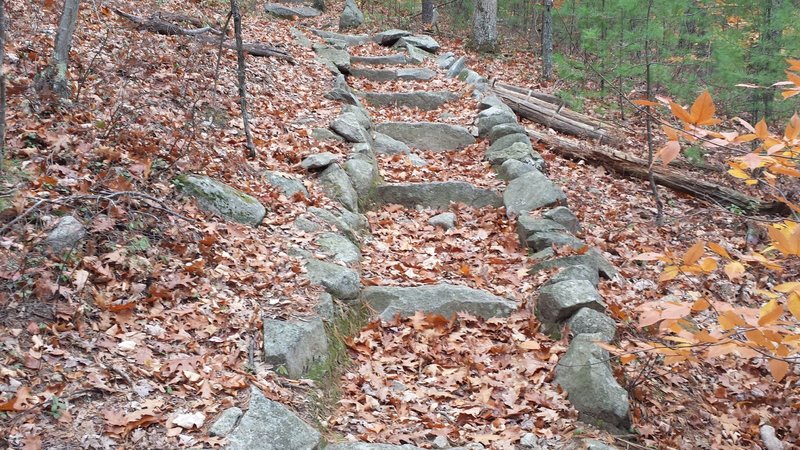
(157, 24)
(545, 97)
(636, 167)
(559, 118)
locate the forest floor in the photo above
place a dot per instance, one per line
(159, 314)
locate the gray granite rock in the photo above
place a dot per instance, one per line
(268, 425)
(548, 239)
(390, 37)
(437, 195)
(585, 373)
(385, 145)
(341, 92)
(592, 258)
(446, 60)
(518, 151)
(457, 67)
(557, 302)
(222, 200)
(444, 299)
(289, 12)
(490, 118)
(527, 226)
(369, 446)
(491, 101)
(512, 168)
(342, 221)
(336, 184)
(427, 135)
(564, 216)
(577, 272)
(504, 129)
(417, 55)
(529, 192)
(341, 282)
(417, 160)
(351, 17)
(446, 220)
(338, 246)
(508, 140)
(294, 345)
(352, 40)
(286, 183)
(361, 114)
(66, 235)
(319, 161)
(421, 41)
(226, 422)
(364, 177)
(324, 134)
(397, 59)
(300, 37)
(415, 99)
(587, 320)
(337, 57)
(349, 126)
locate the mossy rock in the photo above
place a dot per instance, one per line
(222, 200)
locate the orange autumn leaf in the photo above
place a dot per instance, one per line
(703, 110)
(694, 253)
(730, 320)
(680, 113)
(769, 313)
(734, 270)
(793, 304)
(718, 249)
(778, 369)
(669, 152)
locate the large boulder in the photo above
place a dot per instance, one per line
(390, 37)
(444, 299)
(351, 17)
(557, 302)
(341, 282)
(437, 195)
(337, 186)
(427, 135)
(268, 425)
(290, 12)
(66, 235)
(295, 345)
(222, 200)
(415, 99)
(288, 185)
(422, 41)
(585, 373)
(387, 60)
(530, 192)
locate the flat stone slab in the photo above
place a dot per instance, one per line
(341, 282)
(268, 425)
(341, 248)
(529, 192)
(593, 258)
(559, 301)
(527, 226)
(352, 40)
(369, 446)
(427, 135)
(413, 73)
(296, 346)
(444, 299)
(398, 59)
(385, 145)
(319, 161)
(437, 195)
(289, 12)
(390, 37)
(585, 373)
(421, 41)
(416, 99)
(339, 58)
(222, 200)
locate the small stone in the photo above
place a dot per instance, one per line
(441, 442)
(288, 185)
(423, 42)
(527, 226)
(548, 239)
(417, 160)
(457, 67)
(337, 185)
(351, 17)
(325, 307)
(513, 168)
(390, 37)
(341, 282)
(319, 161)
(530, 192)
(504, 129)
(529, 440)
(66, 234)
(444, 220)
(385, 145)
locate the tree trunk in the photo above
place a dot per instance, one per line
(427, 13)
(55, 76)
(547, 41)
(634, 167)
(2, 86)
(484, 26)
(240, 72)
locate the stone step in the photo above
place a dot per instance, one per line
(444, 299)
(415, 99)
(437, 195)
(416, 74)
(427, 135)
(349, 39)
(398, 59)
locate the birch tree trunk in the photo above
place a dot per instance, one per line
(55, 76)
(484, 26)
(547, 40)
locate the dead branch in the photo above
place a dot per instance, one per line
(157, 24)
(635, 167)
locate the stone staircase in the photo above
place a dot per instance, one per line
(570, 297)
